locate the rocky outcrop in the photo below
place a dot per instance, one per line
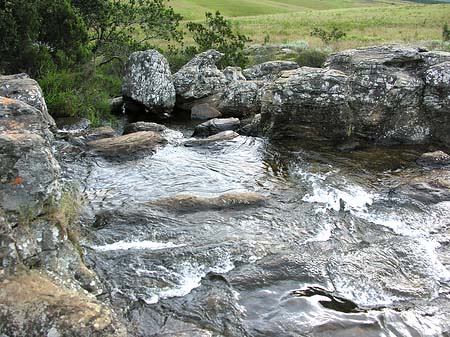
(305, 102)
(22, 88)
(148, 81)
(129, 145)
(233, 74)
(268, 71)
(216, 125)
(241, 99)
(382, 94)
(191, 203)
(199, 79)
(437, 99)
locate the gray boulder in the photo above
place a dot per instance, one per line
(216, 125)
(148, 80)
(198, 79)
(241, 99)
(143, 126)
(434, 158)
(21, 87)
(268, 71)
(437, 100)
(307, 102)
(204, 112)
(29, 173)
(233, 74)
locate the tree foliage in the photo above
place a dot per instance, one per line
(217, 33)
(117, 27)
(334, 35)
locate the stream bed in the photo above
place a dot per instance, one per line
(345, 245)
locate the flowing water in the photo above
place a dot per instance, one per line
(341, 248)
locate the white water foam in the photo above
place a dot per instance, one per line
(140, 245)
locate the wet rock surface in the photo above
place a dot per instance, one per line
(216, 125)
(219, 137)
(127, 145)
(148, 81)
(143, 126)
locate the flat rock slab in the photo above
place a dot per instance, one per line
(143, 126)
(127, 145)
(221, 136)
(434, 158)
(192, 203)
(216, 125)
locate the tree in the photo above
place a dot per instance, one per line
(36, 35)
(217, 33)
(334, 35)
(118, 27)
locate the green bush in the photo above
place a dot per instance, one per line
(311, 58)
(82, 93)
(445, 33)
(334, 35)
(217, 33)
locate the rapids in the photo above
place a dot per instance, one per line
(339, 249)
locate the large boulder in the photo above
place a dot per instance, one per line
(199, 79)
(143, 126)
(29, 173)
(218, 137)
(306, 102)
(437, 100)
(16, 115)
(385, 92)
(148, 81)
(241, 99)
(21, 87)
(268, 71)
(204, 112)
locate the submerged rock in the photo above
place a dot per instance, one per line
(216, 125)
(198, 79)
(32, 305)
(434, 158)
(128, 145)
(143, 126)
(219, 137)
(148, 80)
(268, 71)
(204, 112)
(191, 203)
(430, 187)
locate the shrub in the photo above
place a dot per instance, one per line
(334, 35)
(311, 58)
(217, 33)
(445, 33)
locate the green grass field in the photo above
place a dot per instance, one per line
(366, 22)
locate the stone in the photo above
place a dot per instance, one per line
(268, 71)
(29, 173)
(143, 126)
(430, 187)
(199, 78)
(16, 115)
(27, 90)
(148, 81)
(437, 100)
(127, 145)
(204, 112)
(251, 126)
(241, 99)
(219, 137)
(434, 158)
(233, 74)
(216, 125)
(33, 305)
(191, 203)
(100, 132)
(116, 104)
(307, 102)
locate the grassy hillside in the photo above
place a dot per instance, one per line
(363, 26)
(194, 9)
